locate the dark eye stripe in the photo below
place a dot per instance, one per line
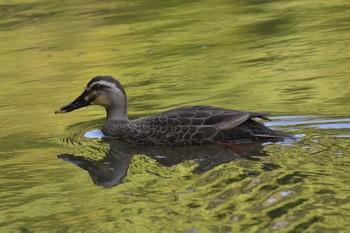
(99, 87)
(95, 87)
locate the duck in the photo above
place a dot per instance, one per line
(188, 125)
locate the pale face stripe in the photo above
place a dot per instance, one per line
(121, 97)
(103, 83)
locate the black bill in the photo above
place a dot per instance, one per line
(76, 104)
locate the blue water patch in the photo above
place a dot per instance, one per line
(311, 121)
(94, 134)
(331, 126)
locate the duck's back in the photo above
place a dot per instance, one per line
(194, 125)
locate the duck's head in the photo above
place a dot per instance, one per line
(101, 90)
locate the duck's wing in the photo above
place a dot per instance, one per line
(220, 118)
(190, 125)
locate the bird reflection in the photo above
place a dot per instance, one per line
(112, 169)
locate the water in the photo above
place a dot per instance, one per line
(285, 57)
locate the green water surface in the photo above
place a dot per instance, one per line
(287, 57)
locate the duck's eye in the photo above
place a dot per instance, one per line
(96, 87)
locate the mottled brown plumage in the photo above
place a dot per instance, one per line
(179, 126)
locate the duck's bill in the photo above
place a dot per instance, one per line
(76, 104)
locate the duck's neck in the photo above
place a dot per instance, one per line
(117, 110)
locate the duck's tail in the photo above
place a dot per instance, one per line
(255, 130)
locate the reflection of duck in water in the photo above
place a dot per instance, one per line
(112, 169)
(179, 126)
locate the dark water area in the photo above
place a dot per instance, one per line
(290, 58)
